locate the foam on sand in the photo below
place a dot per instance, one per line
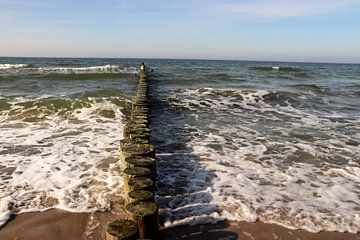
(263, 156)
(50, 159)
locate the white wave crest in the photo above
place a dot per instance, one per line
(10, 66)
(91, 69)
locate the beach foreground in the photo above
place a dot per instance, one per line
(58, 225)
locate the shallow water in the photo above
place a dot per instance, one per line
(278, 142)
(60, 127)
(246, 141)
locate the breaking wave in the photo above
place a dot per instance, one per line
(60, 153)
(11, 66)
(277, 68)
(85, 69)
(256, 155)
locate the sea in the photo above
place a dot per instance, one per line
(277, 142)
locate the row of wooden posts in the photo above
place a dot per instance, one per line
(139, 168)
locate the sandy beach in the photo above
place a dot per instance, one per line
(61, 225)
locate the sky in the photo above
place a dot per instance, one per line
(273, 30)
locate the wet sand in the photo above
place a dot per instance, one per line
(61, 225)
(250, 231)
(57, 225)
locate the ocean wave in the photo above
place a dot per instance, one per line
(92, 69)
(37, 109)
(60, 162)
(70, 70)
(310, 87)
(236, 98)
(81, 75)
(250, 158)
(277, 68)
(12, 66)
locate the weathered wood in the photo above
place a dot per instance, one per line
(140, 108)
(141, 98)
(145, 150)
(145, 215)
(139, 121)
(135, 128)
(140, 195)
(131, 132)
(136, 161)
(122, 230)
(140, 183)
(133, 172)
(131, 141)
(137, 104)
(139, 115)
(138, 164)
(135, 125)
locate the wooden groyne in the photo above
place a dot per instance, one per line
(137, 161)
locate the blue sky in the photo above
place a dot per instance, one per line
(302, 30)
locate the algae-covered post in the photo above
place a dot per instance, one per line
(122, 230)
(145, 215)
(137, 161)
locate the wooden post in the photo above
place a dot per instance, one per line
(140, 183)
(144, 150)
(145, 215)
(131, 141)
(131, 173)
(134, 130)
(137, 161)
(122, 230)
(141, 195)
(138, 164)
(134, 172)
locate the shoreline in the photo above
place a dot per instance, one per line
(56, 224)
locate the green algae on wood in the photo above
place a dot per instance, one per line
(133, 172)
(140, 183)
(130, 141)
(140, 195)
(138, 161)
(122, 230)
(138, 121)
(145, 215)
(145, 150)
(134, 128)
(134, 132)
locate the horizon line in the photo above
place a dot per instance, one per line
(194, 59)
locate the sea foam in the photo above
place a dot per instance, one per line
(253, 158)
(59, 161)
(10, 66)
(91, 69)
(86, 69)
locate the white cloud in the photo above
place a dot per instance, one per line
(283, 8)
